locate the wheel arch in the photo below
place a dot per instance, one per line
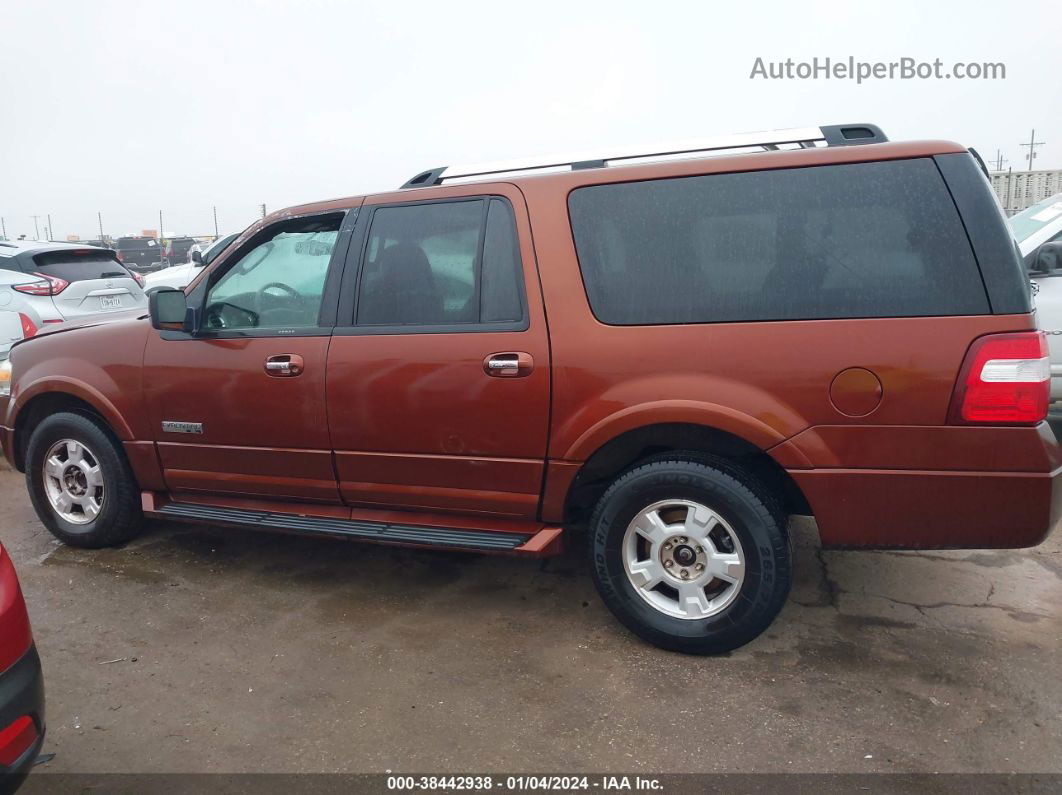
(51, 399)
(635, 445)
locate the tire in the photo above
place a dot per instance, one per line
(728, 524)
(95, 484)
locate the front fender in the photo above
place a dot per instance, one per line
(100, 364)
(70, 386)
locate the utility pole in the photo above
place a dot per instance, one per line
(99, 217)
(162, 232)
(51, 232)
(36, 229)
(1000, 160)
(216, 235)
(1033, 143)
(3, 229)
(263, 210)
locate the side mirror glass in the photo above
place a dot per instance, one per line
(197, 257)
(168, 309)
(1048, 259)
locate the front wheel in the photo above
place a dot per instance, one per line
(80, 482)
(690, 557)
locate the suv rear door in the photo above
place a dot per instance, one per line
(439, 368)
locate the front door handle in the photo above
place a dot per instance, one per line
(284, 365)
(513, 364)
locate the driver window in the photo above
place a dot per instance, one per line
(278, 283)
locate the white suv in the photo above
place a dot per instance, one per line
(65, 281)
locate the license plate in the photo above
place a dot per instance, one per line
(110, 302)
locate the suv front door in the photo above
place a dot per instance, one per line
(238, 408)
(439, 372)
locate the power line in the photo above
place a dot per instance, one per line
(1033, 143)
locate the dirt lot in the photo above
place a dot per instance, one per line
(239, 651)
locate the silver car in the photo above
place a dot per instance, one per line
(65, 281)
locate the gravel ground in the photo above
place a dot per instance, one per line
(219, 650)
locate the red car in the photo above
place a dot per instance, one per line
(21, 683)
(663, 359)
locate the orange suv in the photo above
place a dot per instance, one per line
(672, 350)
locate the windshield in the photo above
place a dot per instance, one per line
(133, 243)
(1032, 219)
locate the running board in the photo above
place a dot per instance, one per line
(544, 541)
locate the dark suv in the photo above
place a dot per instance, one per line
(140, 254)
(666, 359)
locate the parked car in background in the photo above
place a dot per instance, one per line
(175, 250)
(16, 323)
(64, 281)
(178, 277)
(663, 360)
(21, 683)
(1038, 232)
(140, 254)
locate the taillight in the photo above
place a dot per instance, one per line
(137, 278)
(1005, 380)
(16, 739)
(53, 286)
(29, 328)
(118, 254)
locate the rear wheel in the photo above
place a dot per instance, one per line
(80, 482)
(690, 557)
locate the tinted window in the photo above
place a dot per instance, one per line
(75, 266)
(501, 266)
(861, 240)
(441, 264)
(136, 243)
(278, 283)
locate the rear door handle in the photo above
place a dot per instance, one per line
(513, 364)
(284, 365)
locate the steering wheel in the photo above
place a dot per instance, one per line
(284, 287)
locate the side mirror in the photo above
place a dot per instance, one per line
(168, 310)
(1048, 259)
(197, 257)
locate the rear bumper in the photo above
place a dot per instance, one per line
(932, 509)
(22, 693)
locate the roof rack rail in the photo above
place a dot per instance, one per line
(796, 138)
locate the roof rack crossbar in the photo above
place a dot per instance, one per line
(798, 137)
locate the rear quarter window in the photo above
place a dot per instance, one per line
(856, 240)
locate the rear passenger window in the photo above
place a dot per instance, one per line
(860, 240)
(441, 264)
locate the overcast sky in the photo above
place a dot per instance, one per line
(129, 108)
